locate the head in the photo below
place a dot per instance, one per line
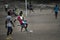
(9, 13)
(56, 5)
(29, 2)
(15, 8)
(20, 13)
(6, 3)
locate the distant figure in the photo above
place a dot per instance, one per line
(16, 11)
(30, 7)
(9, 24)
(22, 22)
(10, 11)
(6, 7)
(56, 9)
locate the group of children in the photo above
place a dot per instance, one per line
(9, 23)
(20, 18)
(22, 21)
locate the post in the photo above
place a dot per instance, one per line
(26, 6)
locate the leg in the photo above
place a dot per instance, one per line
(8, 31)
(56, 14)
(5, 9)
(26, 27)
(32, 9)
(21, 29)
(11, 30)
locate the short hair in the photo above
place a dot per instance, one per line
(20, 13)
(9, 13)
(56, 5)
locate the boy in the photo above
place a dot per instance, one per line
(29, 6)
(9, 24)
(56, 9)
(22, 22)
(6, 7)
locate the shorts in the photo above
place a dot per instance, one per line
(31, 8)
(24, 24)
(9, 29)
(56, 12)
(6, 9)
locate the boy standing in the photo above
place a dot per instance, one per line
(9, 24)
(6, 7)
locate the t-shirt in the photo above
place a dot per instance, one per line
(6, 5)
(19, 18)
(56, 9)
(9, 18)
(17, 11)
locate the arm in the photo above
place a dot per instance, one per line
(14, 20)
(22, 17)
(6, 24)
(12, 23)
(58, 8)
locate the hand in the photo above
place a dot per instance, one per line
(5, 26)
(13, 26)
(52, 11)
(14, 21)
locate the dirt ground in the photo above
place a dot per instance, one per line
(42, 23)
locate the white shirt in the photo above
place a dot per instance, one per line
(6, 5)
(9, 18)
(21, 19)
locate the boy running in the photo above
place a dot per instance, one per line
(56, 9)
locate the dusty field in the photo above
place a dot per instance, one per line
(42, 23)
